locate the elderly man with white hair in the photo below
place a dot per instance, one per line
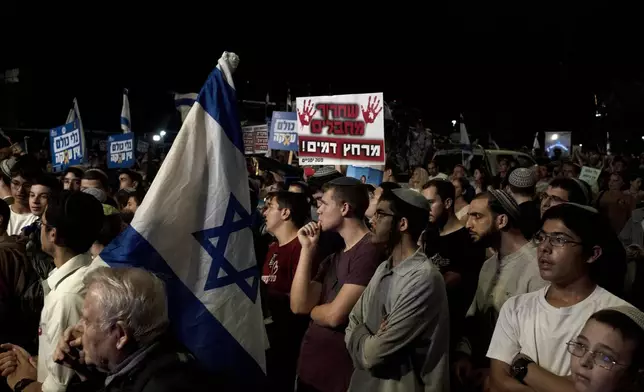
(123, 335)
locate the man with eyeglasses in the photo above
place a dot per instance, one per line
(565, 190)
(23, 174)
(285, 213)
(398, 332)
(528, 348)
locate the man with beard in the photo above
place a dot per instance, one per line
(460, 259)
(398, 330)
(494, 222)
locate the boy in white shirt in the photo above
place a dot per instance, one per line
(528, 348)
(23, 174)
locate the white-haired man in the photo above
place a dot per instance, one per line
(123, 334)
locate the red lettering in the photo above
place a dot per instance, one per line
(333, 109)
(352, 111)
(337, 128)
(358, 128)
(316, 126)
(324, 108)
(348, 127)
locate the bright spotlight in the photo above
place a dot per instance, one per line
(554, 136)
(156, 138)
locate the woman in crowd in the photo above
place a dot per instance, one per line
(482, 180)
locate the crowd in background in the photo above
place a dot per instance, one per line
(437, 279)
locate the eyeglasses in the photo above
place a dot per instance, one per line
(381, 214)
(552, 198)
(599, 358)
(20, 185)
(556, 240)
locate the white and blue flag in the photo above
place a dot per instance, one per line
(193, 230)
(466, 146)
(125, 113)
(183, 103)
(73, 116)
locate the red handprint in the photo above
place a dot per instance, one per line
(372, 111)
(307, 113)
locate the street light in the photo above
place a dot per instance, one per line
(581, 145)
(156, 138)
(453, 123)
(554, 136)
(162, 133)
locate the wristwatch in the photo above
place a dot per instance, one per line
(520, 368)
(22, 384)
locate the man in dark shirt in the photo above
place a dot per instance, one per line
(324, 363)
(285, 214)
(16, 274)
(454, 253)
(522, 183)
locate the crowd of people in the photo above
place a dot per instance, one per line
(70, 323)
(529, 280)
(518, 282)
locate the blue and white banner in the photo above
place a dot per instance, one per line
(74, 116)
(283, 134)
(120, 151)
(193, 229)
(66, 146)
(125, 114)
(183, 103)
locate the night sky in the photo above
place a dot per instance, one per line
(510, 72)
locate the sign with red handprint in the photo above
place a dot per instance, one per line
(341, 130)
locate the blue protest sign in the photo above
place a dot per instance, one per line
(283, 131)
(120, 151)
(66, 146)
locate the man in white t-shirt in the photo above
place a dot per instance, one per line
(528, 348)
(70, 225)
(23, 174)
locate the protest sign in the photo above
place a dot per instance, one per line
(283, 134)
(341, 130)
(120, 151)
(66, 146)
(255, 139)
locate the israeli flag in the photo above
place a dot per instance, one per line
(183, 103)
(193, 230)
(125, 113)
(535, 144)
(466, 146)
(74, 115)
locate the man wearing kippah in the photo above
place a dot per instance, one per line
(522, 186)
(398, 333)
(493, 222)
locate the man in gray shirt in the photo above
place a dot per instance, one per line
(398, 333)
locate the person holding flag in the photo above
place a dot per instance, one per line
(193, 229)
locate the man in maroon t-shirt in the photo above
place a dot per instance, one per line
(285, 213)
(324, 364)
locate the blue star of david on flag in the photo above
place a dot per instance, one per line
(218, 252)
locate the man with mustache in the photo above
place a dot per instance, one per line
(494, 222)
